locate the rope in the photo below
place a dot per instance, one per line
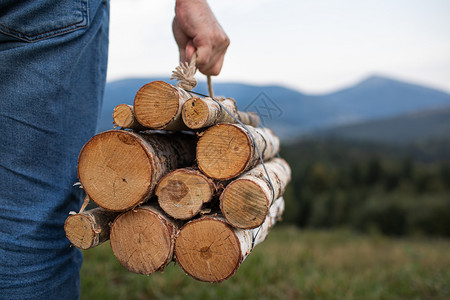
(184, 73)
(210, 89)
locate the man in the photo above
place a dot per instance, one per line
(53, 57)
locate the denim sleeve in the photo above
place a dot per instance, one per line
(53, 57)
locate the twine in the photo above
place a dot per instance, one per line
(184, 73)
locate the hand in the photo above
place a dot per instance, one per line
(196, 28)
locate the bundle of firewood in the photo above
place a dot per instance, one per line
(182, 180)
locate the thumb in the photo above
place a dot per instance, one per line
(190, 50)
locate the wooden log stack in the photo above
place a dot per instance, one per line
(181, 180)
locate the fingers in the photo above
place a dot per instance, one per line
(211, 55)
(190, 50)
(196, 28)
(181, 38)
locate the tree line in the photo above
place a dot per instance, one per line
(392, 189)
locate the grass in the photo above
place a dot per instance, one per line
(293, 264)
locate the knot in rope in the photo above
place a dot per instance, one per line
(184, 74)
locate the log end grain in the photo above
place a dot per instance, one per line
(195, 113)
(115, 170)
(244, 204)
(123, 115)
(208, 250)
(80, 231)
(156, 104)
(224, 151)
(181, 193)
(142, 241)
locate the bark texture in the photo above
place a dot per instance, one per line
(246, 200)
(123, 116)
(119, 169)
(183, 192)
(143, 239)
(204, 112)
(90, 228)
(208, 249)
(226, 150)
(158, 105)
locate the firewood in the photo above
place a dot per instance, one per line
(123, 116)
(158, 105)
(119, 169)
(248, 118)
(183, 192)
(204, 112)
(143, 239)
(208, 249)
(226, 150)
(90, 228)
(246, 200)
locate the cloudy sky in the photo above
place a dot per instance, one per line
(315, 46)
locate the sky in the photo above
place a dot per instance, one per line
(315, 46)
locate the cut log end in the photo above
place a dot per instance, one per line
(156, 104)
(195, 113)
(182, 193)
(115, 170)
(80, 231)
(142, 241)
(208, 250)
(123, 115)
(244, 204)
(224, 151)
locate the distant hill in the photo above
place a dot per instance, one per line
(414, 127)
(291, 113)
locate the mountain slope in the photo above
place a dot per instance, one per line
(291, 113)
(421, 126)
(377, 97)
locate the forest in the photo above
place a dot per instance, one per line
(369, 187)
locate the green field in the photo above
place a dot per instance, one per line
(293, 264)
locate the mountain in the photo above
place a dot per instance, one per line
(379, 97)
(420, 126)
(291, 113)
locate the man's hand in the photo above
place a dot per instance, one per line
(196, 28)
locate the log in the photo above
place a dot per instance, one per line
(143, 239)
(248, 118)
(246, 200)
(119, 169)
(183, 192)
(90, 228)
(208, 249)
(204, 112)
(158, 105)
(123, 116)
(226, 150)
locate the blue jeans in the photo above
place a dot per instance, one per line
(53, 58)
